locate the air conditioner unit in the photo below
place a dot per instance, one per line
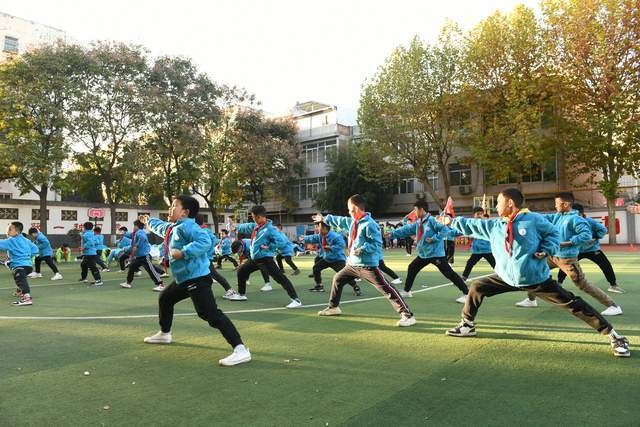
(465, 189)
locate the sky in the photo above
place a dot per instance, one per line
(283, 51)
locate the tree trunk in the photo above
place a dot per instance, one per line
(611, 206)
(214, 216)
(434, 194)
(112, 214)
(43, 208)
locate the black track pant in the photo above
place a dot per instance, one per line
(288, 260)
(372, 275)
(408, 244)
(228, 258)
(450, 250)
(199, 290)
(20, 278)
(218, 277)
(473, 260)
(601, 261)
(48, 260)
(549, 291)
(89, 263)
(99, 259)
(441, 264)
(386, 270)
(322, 264)
(144, 262)
(269, 266)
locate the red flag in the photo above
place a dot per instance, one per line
(448, 208)
(412, 216)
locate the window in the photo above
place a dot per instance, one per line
(406, 186)
(35, 214)
(163, 216)
(69, 215)
(459, 174)
(306, 189)
(8, 213)
(205, 218)
(122, 216)
(317, 152)
(5, 196)
(220, 219)
(10, 44)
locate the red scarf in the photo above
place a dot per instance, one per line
(420, 227)
(354, 230)
(255, 230)
(166, 247)
(508, 237)
(324, 240)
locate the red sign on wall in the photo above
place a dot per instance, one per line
(96, 213)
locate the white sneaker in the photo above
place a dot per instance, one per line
(125, 285)
(237, 297)
(159, 338)
(462, 299)
(406, 294)
(138, 273)
(396, 281)
(34, 275)
(330, 311)
(295, 303)
(408, 255)
(105, 270)
(357, 279)
(266, 288)
(158, 288)
(99, 283)
(614, 310)
(164, 275)
(229, 293)
(527, 303)
(406, 321)
(240, 354)
(57, 276)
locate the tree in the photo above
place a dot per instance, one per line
(596, 48)
(269, 156)
(345, 179)
(109, 115)
(181, 103)
(410, 111)
(34, 108)
(509, 93)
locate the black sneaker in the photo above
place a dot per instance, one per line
(358, 291)
(310, 276)
(296, 272)
(317, 289)
(620, 346)
(464, 329)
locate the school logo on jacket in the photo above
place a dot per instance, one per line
(522, 232)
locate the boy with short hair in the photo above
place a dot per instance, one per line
(140, 253)
(100, 248)
(44, 254)
(89, 255)
(20, 250)
(187, 245)
(225, 250)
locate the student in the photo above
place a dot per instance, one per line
(429, 237)
(330, 255)
(100, 248)
(229, 291)
(44, 254)
(140, 250)
(242, 248)
(284, 250)
(20, 251)
(408, 241)
(225, 250)
(520, 242)
(364, 251)
(263, 242)
(187, 247)
(591, 250)
(479, 248)
(63, 253)
(89, 255)
(574, 232)
(121, 243)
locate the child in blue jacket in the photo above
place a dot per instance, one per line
(89, 255)
(20, 251)
(45, 253)
(188, 245)
(224, 247)
(141, 258)
(521, 241)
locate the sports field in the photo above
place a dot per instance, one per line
(527, 366)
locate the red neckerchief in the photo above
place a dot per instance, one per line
(166, 247)
(255, 230)
(354, 230)
(420, 227)
(324, 240)
(508, 237)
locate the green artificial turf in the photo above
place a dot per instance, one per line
(527, 366)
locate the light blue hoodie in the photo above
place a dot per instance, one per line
(571, 228)
(335, 242)
(43, 244)
(368, 238)
(598, 231)
(431, 229)
(266, 235)
(20, 250)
